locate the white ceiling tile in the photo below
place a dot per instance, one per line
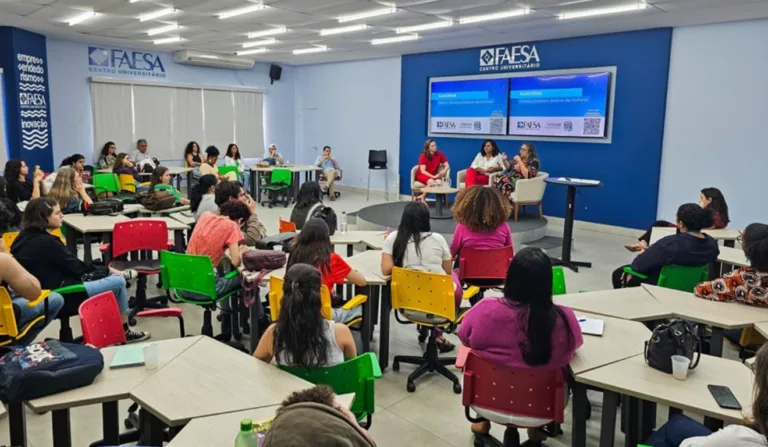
(672, 6)
(310, 5)
(21, 9)
(449, 7)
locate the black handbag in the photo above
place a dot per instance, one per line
(105, 207)
(675, 337)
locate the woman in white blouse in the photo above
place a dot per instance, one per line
(485, 163)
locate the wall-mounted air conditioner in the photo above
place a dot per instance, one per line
(212, 60)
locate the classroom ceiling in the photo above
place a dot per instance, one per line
(118, 22)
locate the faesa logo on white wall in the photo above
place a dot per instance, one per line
(507, 58)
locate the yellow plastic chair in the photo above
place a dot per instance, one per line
(127, 182)
(426, 299)
(275, 296)
(9, 330)
(10, 237)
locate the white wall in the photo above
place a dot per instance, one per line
(353, 107)
(716, 119)
(71, 116)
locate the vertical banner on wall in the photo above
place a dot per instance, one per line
(23, 59)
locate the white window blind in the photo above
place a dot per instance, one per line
(169, 116)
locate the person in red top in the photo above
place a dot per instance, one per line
(313, 246)
(433, 166)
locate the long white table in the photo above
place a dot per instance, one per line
(296, 170)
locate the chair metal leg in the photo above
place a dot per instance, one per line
(368, 195)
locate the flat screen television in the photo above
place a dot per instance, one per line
(571, 105)
(471, 107)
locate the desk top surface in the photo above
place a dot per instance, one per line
(439, 190)
(635, 378)
(733, 256)
(762, 328)
(292, 168)
(182, 218)
(211, 378)
(724, 234)
(173, 170)
(91, 223)
(570, 181)
(167, 211)
(113, 384)
(631, 303)
(173, 224)
(621, 339)
(373, 239)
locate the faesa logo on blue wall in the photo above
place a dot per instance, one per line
(507, 58)
(133, 63)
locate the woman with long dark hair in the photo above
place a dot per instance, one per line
(192, 158)
(161, 181)
(108, 155)
(233, 158)
(203, 196)
(19, 187)
(485, 163)
(301, 336)
(310, 196)
(523, 329)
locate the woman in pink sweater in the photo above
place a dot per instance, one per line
(523, 329)
(481, 214)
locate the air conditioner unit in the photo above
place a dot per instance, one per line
(212, 60)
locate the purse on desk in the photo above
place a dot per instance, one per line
(675, 337)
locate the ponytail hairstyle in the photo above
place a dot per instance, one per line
(300, 328)
(157, 176)
(200, 189)
(415, 220)
(694, 217)
(759, 421)
(755, 245)
(717, 204)
(71, 160)
(528, 289)
(312, 246)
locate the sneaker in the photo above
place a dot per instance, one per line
(130, 274)
(133, 337)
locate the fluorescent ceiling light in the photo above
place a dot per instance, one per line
(163, 29)
(168, 40)
(241, 11)
(208, 56)
(255, 51)
(424, 27)
(368, 14)
(157, 14)
(343, 29)
(601, 11)
(495, 16)
(268, 32)
(319, 49)
(82, 17)
(259, 43)
(394, 39)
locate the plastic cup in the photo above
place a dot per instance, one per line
(680, 365)
(152, 356)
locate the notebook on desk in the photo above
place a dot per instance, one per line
(591, 326)
(126, 356)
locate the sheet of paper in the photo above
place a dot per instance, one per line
(130, 355)
(591, 326)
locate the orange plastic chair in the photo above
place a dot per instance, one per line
(287, 226)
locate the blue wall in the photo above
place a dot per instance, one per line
(629, 166)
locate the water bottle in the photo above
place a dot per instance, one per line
(343, 223)
(246, 437)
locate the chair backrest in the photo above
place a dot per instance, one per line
(281, 175)
(10, 237)
(127, 182)
(682, 278)
(520, 392)
(59, 234)
(356, 375)
(190, 273)
(487, 265)
(139, 234)
(286, 226)
(558, 281)
(100, 320)
(8, 325)
(377, 159)
(275, 296)
(224, 170)
(431, 293)
(531, 190)
(106, 183)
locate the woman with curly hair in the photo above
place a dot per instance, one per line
(481, 214)
(525, 165)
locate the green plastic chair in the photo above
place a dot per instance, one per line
(280, 181)
(558, 281)
(181, 272)
(353, 376)
(677, 277)
(224, 170)
(110, 183)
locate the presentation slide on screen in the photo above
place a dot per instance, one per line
(559, 106)
(469, 107)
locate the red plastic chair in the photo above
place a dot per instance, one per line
(287, 226)
(486, 269)
(516, 398)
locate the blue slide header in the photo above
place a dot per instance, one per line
(547, 93)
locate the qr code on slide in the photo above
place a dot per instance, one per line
(592, 126)
(497, 126)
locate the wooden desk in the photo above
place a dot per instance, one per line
(631, 303)
(81, 225)
(633, 378)
(207, 379)
(221, 430)
(372, 239)
(622, 339)
(107, 389)
(719, 315)
(296, 170)
(733, 256)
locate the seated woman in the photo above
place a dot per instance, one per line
(689, 247)
(209, 165)
(481, 222)
(273, 157)
(525, 165)
(710, 198)
(19, 187)
(683, 431)
(58, 267)
(203, 196)
(415, 246)
(746, 285)
(485, 163)
(192, 158)
(433, 167)
(108, 155)
(75, 162)
(124, 166)
(161, 181)
(313, 246)
(310, 197)
(523, 329)
(301, 336)
(69, 192)
(233, 158)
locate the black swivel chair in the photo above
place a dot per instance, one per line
(377, 161)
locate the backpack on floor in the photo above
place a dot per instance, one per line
(327, 214)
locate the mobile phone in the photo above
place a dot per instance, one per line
(724, 397)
